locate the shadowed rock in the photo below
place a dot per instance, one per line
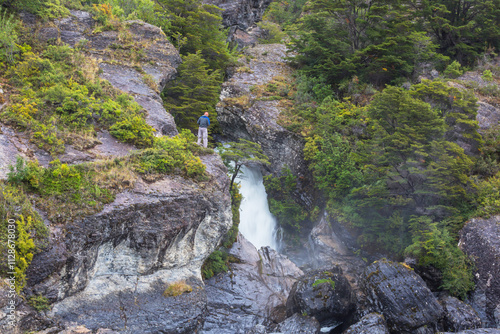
(480, 240)
(323, 294)
(372, 323)
(458, 315)
(402, 297)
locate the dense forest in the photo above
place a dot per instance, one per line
(394, 149)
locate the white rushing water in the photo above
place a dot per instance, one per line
(257, 224)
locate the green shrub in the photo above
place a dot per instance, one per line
(170, 156)
(8, 36)
(272, 33)
(216, 263)
(39, 302)
(487, 75)
(133, 130)
(454, 70)
(321, 281)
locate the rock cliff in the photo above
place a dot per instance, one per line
(112, 269)
(244, 112)
(480, 239)
(253, 293)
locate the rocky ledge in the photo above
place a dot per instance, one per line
(111, 270)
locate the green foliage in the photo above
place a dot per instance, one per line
(487, 75)
(322, 281)
(282, 194)
(63, 191)
(170, 155)
(488, 197)
(433, 245)
(195, 90)
(454, 70)
(231, 236)
(214, 264)
(8, 36)
(195, 27)
(60, 99)
(39, 302)
(31, 232)
(46, 9)
(238, 154)
(25, 246)
(272, 33)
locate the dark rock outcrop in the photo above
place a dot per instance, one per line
(372, 323)
(458, 315)
(323, 294)
(253, 293)
(480, 240)
(402, 297)
(299, 324)
(240, 14)
(476, 331)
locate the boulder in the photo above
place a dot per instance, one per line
(476, 331)
(299, 324)
(480, 240)
(323, 294)
(458, 315)
(372, 323)
(488, 116)
(253, 293)
(395, 291)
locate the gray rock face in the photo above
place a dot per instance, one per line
(252, 293)
(299, 324)
(476, 331)
(372, 323)
(458, 315)
(255, 119)
(240, 13)
(487, 116)
(158, 59)
(110, 270)
(10, 148)
(323, 294)
(402, 297)
(480, 239)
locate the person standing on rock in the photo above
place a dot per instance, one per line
(203, 122)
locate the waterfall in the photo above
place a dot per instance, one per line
(257, 224)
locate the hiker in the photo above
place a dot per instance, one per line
(203, 122)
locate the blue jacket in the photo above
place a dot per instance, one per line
(203, 122)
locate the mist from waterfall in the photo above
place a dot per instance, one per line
(257, 224)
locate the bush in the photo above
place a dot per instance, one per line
(170, 156)
(454, 70)
(39, 302)
(176, 289)
(133, 130)
(8, 36)
(216, 263)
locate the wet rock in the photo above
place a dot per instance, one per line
(458, 315)
(323, 294)
(372, 323)
(240, 13)
(402, 297)
(480, 240)
(299, 324)
(253, 293)
(476, 331)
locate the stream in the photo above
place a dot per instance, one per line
(257, 224)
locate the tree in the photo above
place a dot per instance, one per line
(196, 27)
(463, 28)
(194, 91)
(238, 154)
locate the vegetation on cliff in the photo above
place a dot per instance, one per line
(398, 158)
